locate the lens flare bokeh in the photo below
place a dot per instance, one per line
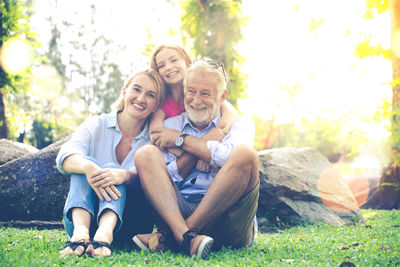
(15, 56)
(335, 192)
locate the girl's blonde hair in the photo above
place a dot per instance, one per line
(181, 52)
(155, 77)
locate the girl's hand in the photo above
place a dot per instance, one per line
(225, 127)
(157, 121)
(203, 166)
(216, 134)
(176, 151)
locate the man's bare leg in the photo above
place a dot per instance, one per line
(158, 188)
(236, 178)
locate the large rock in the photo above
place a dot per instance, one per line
(10, 150)
(297, 185)
(31, 188)
(300, 185)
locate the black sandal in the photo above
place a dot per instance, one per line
(99, 244)
(74, 244)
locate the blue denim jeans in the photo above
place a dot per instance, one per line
(81, 195)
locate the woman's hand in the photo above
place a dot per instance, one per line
(103, 193)
(108, 178)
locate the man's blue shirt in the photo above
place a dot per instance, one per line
(196, 184)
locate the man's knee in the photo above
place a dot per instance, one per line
(245, 158)
(145, 154)
(243, 154)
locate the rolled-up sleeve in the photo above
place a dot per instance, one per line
(170, 160)
(242, 132)
(174, 172)
(78, 144)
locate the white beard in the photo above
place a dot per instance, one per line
(203, 117)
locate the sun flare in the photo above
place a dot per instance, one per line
(15, 56)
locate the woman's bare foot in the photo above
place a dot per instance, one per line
(101, 244)
(78, 242)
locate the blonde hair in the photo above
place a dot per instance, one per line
(155, 77)
(181, 52)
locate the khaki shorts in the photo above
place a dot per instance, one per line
(233, 228)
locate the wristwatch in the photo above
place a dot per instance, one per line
(179, 140)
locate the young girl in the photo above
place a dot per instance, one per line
(99, 157)
(171, 62)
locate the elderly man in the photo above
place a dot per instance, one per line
(213, 207)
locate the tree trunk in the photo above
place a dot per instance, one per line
(4, 133)
(31, 188)
(395, 24)
(388, 192)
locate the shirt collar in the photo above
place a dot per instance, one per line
(111, 120)
(145, 132)
(188, 122)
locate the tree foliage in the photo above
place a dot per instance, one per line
(213, 28)
(365, 49)
(14, 18)
(376, 6)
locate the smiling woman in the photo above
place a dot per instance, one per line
(99, 158)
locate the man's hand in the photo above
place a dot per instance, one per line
(164, 137)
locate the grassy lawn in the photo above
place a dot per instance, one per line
(376, 244)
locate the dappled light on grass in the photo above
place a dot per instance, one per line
(15, 56)
(333, 191)
(303, 245)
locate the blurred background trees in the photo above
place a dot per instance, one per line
(79, 69)
(214, 29)
(14, 76)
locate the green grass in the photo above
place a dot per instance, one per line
(377, 244)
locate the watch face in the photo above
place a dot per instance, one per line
(179, 141)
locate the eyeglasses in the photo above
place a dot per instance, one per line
(214, 64)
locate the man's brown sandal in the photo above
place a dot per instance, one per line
(203, 245)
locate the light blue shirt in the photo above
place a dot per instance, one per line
(98, 137)
(194, 187)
